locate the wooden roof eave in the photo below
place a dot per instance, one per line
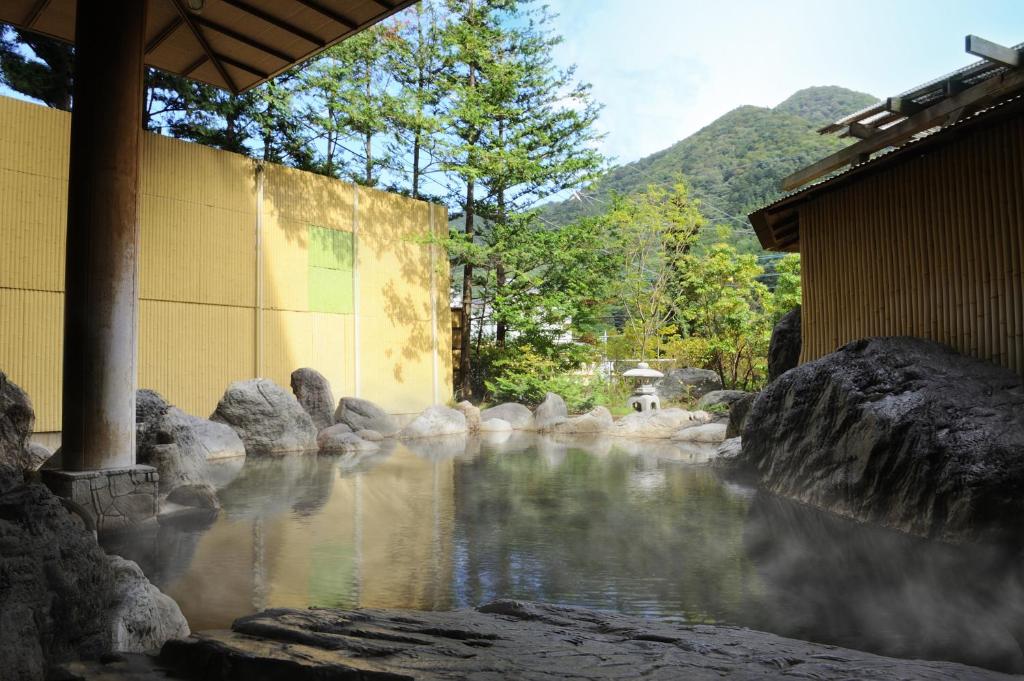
(234, 45)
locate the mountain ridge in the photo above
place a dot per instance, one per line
(734, 164)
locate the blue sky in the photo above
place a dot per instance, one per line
(666, 68)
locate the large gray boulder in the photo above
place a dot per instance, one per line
(172, 448)
(313, 391)
(661, 423)
(360, 414)
(901, 432)
(597, 420)
(687, 383)
(518, 416)
(550, 413)
(267, 417)
(141, 618)
(16, 422)
(726, 398)
(785, 345)
(61, 597)
(521, 640)
(179, 446)
(435, 421)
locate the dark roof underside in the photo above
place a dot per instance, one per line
(230, 44)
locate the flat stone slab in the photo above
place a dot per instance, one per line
(518, 640)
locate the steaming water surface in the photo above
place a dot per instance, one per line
(640, 528)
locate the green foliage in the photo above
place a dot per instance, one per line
(47, 77)
(522, 373)
(787, 293)
(654, 230)
(727, 313)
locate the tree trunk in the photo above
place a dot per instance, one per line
(465, 365)
(499, 271)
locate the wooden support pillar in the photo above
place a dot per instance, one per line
(101, 273)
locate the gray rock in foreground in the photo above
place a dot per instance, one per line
(313, 391)
(518, 640)
(267, 417)
(901, 432)
(360, 414)
(16, 422)
(143, 617)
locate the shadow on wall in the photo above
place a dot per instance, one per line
(392, 266)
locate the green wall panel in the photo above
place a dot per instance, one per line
(330, 271)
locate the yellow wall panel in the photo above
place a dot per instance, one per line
(211, 311)
(397, 374)
(196, 253)
(31, 347)
(285, 256)
(190, 172)
(33, 211)
(191, 353)
(334, 350)
(34, 139)
(308, 198)
(287, 344)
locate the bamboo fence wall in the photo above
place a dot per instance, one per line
(932, 247)
(225, 271)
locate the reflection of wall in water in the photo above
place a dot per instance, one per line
(377, 537)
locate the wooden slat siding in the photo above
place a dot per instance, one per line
(933, 247)
(199, 308)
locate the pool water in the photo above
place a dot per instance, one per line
(639, 528)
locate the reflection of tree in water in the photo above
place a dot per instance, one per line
(607, 531)
(836, 581)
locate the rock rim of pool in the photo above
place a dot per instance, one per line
(518, 640)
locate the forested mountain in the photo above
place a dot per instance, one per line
(734, 164)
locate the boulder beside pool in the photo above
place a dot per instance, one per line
(597, 420)
(268, 418)
(472, 414)
(359, 414)
(660, 423)
(518, 416)
(897, 431)
(313, 392)
(339, 438)
(550, 413)
(435, 421)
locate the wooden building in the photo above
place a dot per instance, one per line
(921, 232)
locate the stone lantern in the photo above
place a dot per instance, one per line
(644, 397)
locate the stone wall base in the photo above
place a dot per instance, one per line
(117, 498)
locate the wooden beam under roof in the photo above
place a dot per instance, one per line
(329, 13)
(277, 22)
(937, 114)
(993, 52)
(242, 38)
(203, 43)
